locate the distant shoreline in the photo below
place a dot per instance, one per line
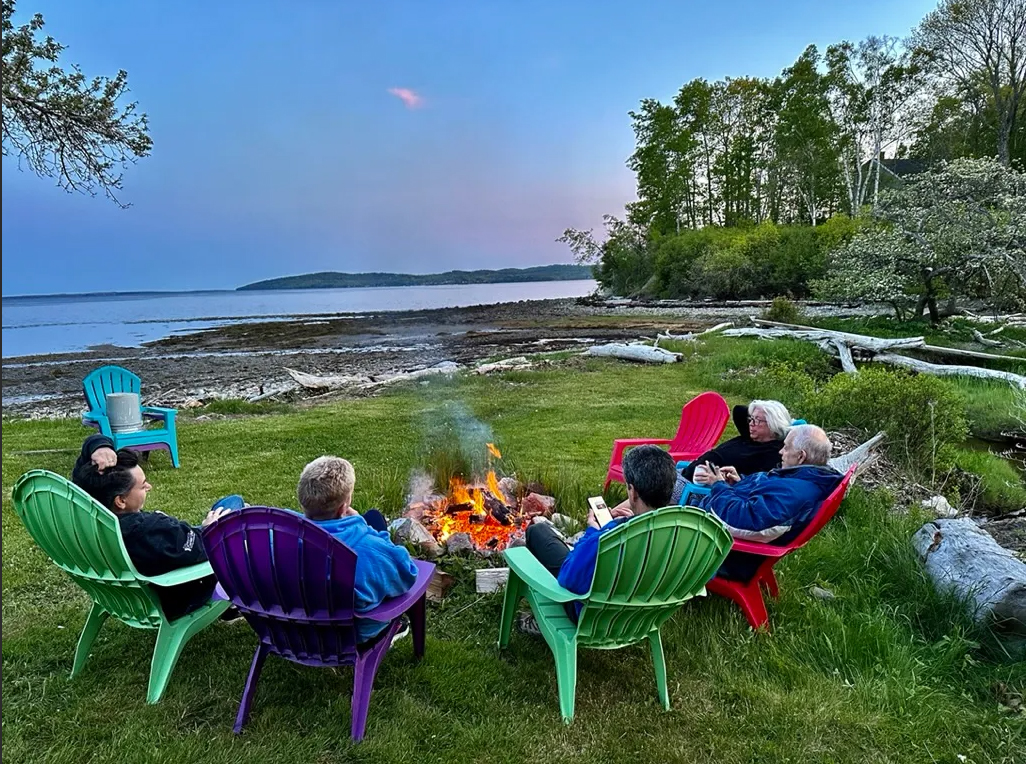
(339, 280)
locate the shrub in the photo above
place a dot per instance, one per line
(923, 417)
(783, 311)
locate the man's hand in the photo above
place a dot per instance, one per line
(621, 511)
(730, 475)
(104, 457)
(214, 515)
(592, 520)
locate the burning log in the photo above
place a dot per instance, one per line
(497, 509)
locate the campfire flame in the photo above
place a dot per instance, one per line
(479, 509)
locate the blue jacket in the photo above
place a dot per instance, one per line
(383, 569)
(772, 506)
(578, 568)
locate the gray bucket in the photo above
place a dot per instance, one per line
(124, 412)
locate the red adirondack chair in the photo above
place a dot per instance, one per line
(749, 595)
(702, 421)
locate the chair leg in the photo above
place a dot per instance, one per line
(769, 580)
(659, 663)
(251, 683)
(753, 606)
(510, 599)
(170, 641)
(172, 447)
(364, 671)
(418, 625)
(95, 620)
(566, 678)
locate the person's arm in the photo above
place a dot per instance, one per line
(91, 445)
(764, 513)
(383, 570)
(160, 544)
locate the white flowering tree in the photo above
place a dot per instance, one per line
(958, 231)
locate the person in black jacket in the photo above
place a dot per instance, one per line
(762, 427)
(156, 543)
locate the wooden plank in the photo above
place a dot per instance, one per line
(490, 580)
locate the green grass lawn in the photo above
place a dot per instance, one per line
(889, 671)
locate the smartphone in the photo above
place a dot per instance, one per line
(601, 511)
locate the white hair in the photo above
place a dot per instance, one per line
(813, 441)
(777, 418)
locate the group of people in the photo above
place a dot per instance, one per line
(765, 484)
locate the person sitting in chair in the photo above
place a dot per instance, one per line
(649, 473)
(761, 427)
(383, 569)
(156, 543)
(773, 506)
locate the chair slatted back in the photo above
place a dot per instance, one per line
(83, 538)
(702, 421)
(646, 569)
(101, 382)
(292, 580)
(826, 510)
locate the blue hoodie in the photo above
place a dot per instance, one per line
(772, 506)
(383, 569)
(578, 568)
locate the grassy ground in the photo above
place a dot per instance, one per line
(889, 671)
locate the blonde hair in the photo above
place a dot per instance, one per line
(325, 484)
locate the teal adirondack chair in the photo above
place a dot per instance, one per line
(646, 568)
(98, 384)
(84, 539)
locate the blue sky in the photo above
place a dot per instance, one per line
(292, 137)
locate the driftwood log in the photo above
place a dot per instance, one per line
(641, 353)
(335, 382)
(692, 336)
(488, 580)
(842, 344)
(962, 557)
(945, 370)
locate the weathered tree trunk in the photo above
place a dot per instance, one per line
(960, 556)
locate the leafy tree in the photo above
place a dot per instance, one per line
(958, 231)
(871, 87)
(624, 260)
(60, 124)
(806, 135)
(979, 48)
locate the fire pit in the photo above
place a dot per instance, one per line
(483, 516)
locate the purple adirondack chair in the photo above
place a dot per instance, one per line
(293, 581)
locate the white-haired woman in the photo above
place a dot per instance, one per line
(762, 427)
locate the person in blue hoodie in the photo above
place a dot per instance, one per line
(649, 473)
(772, 507)
(383, 569)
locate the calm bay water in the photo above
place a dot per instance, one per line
(69, 323)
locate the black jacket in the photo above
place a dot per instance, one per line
(742, 453)
(157, 544)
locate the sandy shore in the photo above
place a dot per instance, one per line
(245, 360)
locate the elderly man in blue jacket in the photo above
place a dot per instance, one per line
(775, 506)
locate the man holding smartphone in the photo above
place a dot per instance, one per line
(650, 474)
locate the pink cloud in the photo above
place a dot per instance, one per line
(412, 99)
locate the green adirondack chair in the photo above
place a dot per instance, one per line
(646, 568)
(83, 538)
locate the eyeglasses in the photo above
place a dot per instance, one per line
(756, 420)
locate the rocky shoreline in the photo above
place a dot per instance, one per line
(248, 360)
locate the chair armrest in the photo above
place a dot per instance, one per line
(537, 576)
(394, 607)
(159, 412)
(98, 420)
(757, 547)
(180, 576)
